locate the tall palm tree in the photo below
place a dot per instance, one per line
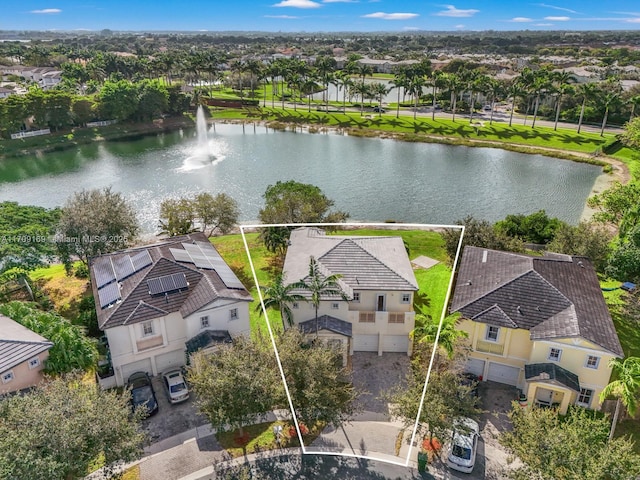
(610, 97)
(625, 388)
(400, 81)
(319, 285)
(379, 90)
(436, 84)
(279, 296)
(540, 85)
(426, 331)
(325, 67)
(634, 101)
(344, 81)
(588, 91)
(416, 83)
(452, 85)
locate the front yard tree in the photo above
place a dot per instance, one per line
(625, 388)
(572, 448)
(294, 202)
(278, 296)
(62, 427)
(95, 222)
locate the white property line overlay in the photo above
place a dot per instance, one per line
(390, 227)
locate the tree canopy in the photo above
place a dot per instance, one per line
(631, 135)
(535, 228)
(209, 213)
(66, 424)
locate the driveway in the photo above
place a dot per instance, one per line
(374, 375)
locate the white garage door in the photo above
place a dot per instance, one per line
(503, 373)
(395, 343)
(476, 366)
(170, 360)
(365, 343)
(139, 366)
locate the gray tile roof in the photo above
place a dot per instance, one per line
(364, 263)
(138, 305)
(326, 322)
(18, 344)
(552, 373)
(555, 296)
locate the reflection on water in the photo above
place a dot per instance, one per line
(372, 179)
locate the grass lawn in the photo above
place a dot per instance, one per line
(628, 328)
(65, 292)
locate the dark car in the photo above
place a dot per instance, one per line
(379, 110)
(142, 394)
(470, 380)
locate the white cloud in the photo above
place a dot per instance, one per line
(633, 20)
(47, 11)
(459, 27)
(452, 11)
(391, 16)
(558, 19)
(555, 7)
(543, 24)
(521, 20)
(340, 1)
(411, 29)
(284, 17)
(297, 4)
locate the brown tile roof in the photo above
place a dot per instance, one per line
(555, 296)
(138, 305)
(18, 344)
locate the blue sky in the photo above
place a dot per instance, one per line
(319, 15)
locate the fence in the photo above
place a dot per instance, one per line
(102, 123)
(34, 133)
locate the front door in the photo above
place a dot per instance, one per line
(380, 305)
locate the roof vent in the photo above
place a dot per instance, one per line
(519, 309)
(580, 264)
(484, 256)
(469, 283)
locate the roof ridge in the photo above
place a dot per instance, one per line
(27, 342)
(142, 304)
(496, 306)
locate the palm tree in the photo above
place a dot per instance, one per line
(344, 81)
(325, 67)
(278, 296)
(426, 331)
(540, 85)
(399, 81)
(625, 388)
(588, 91)
(634, 101)
(378, 90)
(611, 96)
(452, 84)
(436, 83)
(319, 285)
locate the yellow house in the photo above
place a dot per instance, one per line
(538, 323)
(375, 275)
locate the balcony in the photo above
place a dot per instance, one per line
(489, 347)
(149, 342)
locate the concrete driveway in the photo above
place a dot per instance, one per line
(374, 375)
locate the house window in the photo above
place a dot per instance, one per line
(7, 376)
(335, 306)
(296, 305)
(147, 329)
(584, 398)
(554, 354)
(406, 298)
(34, 362)
(492, 334)
(356, 297)
(204, 322)
(233, 314)
(592, 361)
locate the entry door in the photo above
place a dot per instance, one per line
(380, 306)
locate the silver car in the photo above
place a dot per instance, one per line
(175, 386)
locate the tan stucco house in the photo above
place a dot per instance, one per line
(538, 323)
(160, 302)
(22, 356)
(375, 275)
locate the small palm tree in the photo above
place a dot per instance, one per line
(426, 331)
(278, 296)
(625, 388)
(319, 285)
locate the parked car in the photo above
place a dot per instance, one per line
(379, 110)
(175, 386)
(470, 380)
(487, 108)
(464, 445)
(142, 394)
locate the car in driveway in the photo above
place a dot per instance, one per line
(175, 386)
(142, 394)
(464, 445)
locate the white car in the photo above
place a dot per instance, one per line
(464, 445)
(175, 386)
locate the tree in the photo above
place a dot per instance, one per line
(153, 99)
(631, 135)
(625, 388)
(293, 202)
(426, 331)
(535, 228)
(624, 261)
(588, 91)
(176, 216)
(59, 429)
(94, 222)
(616, 203)
(118, 100)
(276, 239)
(585, 239)
(278, 296)
(479, 233)
(218, 212)
(235, 386)
(319, 285)
(72, 349)
(571, 448)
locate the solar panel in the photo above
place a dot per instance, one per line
(109, 294)
(205, 256)
(181, 255)
(167, 283)
(123, 267)
(141, 260)
(103, 271)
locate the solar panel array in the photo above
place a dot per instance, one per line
(141, 260)
(204, 256)
(103, 271)
(109, 294)
(167, 283)
(108, 272)
(181, 255)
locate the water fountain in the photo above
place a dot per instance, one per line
(201, 154)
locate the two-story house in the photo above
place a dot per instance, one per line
(538, 323)
(156, 302)
(376, 276)
(23, 354)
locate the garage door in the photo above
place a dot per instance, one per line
(503, 373)
(139, 366)
(476, 366)
(365, 343)
(170, 360)
(395, 343)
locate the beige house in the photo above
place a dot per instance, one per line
(375, 275)
(538, 323)
(158, 303)
(22, 356)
